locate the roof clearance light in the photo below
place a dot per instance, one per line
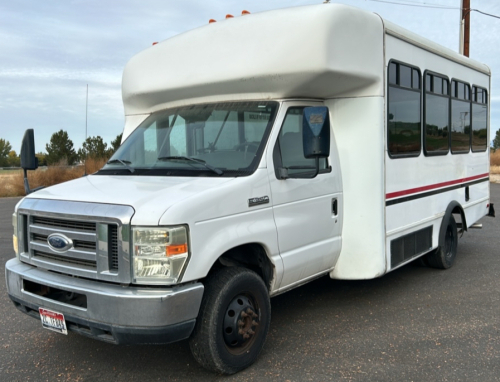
(229, 16)
(245, 12)
(155, 43)
(212, 21)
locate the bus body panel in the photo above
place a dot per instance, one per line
(358, 124)
(419, 189)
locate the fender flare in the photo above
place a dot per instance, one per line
(453, 206)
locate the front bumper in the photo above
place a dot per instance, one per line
(112, 313)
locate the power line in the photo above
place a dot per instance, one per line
(409, 3)
(484, 13)
(416, 4)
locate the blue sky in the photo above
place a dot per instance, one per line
(52, 49)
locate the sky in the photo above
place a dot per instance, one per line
(51, 49)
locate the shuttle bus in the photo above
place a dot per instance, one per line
(259, 152)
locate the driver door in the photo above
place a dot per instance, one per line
(307, 212)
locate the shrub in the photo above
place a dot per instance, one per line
(13, 184)
(495, 158)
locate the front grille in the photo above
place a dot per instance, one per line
(66, 224)
(88, 264)
(77, 244)
(113, 247)
(98, 250)
(37, 237)
(84, 245)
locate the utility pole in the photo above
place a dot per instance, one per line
(464, 27)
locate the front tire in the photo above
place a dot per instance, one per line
(233, 321)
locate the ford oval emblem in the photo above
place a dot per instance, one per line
(59, 243)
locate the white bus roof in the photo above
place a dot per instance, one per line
(319, 51)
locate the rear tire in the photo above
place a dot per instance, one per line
(233, 321)
(444, 256)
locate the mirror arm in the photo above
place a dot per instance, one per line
(26, 184)
(316, 171)
(316, 161)
(282, 173)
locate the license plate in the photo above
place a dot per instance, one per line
(53, 321)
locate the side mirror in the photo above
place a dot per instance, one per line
(316, 132)
(28, 159)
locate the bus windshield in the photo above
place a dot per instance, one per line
(219, 139)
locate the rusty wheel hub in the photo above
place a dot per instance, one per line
(240, 322)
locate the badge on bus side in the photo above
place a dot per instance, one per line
(257, 201)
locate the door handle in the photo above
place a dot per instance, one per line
(334, 206)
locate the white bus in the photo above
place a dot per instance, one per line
(259, 152)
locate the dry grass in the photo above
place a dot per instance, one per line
(495, 161)
(13, 184)
(494, 169)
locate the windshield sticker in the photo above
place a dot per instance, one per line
(258, 116)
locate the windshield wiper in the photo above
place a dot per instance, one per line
(123, 162)
(195, 160)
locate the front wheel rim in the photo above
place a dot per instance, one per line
(241, 324)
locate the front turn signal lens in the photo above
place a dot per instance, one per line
(160, 254)
(15, 242)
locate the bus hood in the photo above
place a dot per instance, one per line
(150, 196)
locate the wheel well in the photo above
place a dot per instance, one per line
(458, 210)
(252, 256)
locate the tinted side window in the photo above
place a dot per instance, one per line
(404, 125)
(479, 119)
(291, 145)
(460, 118)
(436, 115)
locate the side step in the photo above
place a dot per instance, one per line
(475, 225)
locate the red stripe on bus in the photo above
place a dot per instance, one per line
(433, 186)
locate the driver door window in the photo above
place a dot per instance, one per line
(289, 152)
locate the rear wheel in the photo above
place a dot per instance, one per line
(233, 321)
(444, 256)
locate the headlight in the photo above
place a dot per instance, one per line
(14, 236)
(159, 254)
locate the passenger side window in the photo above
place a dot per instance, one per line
(479, 119)
(289, 151)
(436, 115)
(404, 127)
(460, 117)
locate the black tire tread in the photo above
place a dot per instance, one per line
(203, 349)
(436, 259)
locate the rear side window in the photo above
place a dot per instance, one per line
(479, 119)
(460, 117)
(436, 114)
(404, 124)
